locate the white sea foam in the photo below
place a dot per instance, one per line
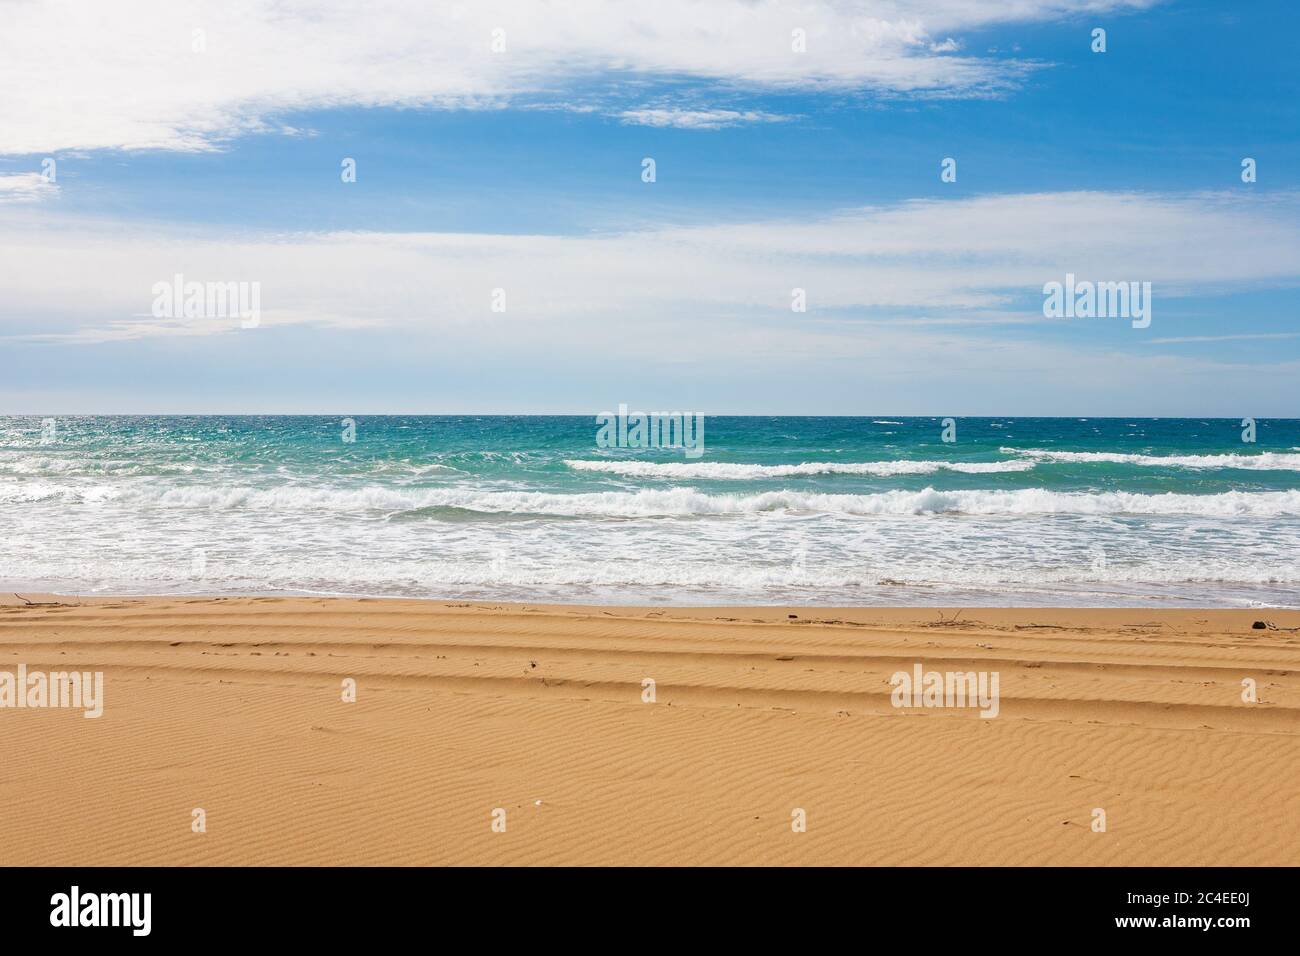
(728, 471)
(676, 501)
(1261, 461)
(541, 569)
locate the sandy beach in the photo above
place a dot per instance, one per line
(235, 706)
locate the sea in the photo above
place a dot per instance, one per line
(840, 511)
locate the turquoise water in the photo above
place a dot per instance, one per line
(852, 511)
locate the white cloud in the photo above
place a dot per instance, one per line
(1248, 337)
(697, 119)
(26, 187)
(927, 267)
(82, 74)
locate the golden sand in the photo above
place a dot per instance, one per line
(234, 706)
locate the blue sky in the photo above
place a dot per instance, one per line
(520, 170)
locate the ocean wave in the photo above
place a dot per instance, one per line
(728, 471)
(1261, 461)
(49, 465)
(668, 502)
(268, 572)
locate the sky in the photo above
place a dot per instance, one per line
(500, 250)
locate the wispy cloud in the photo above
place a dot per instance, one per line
(1247, 337)
(180, 76)
(939, 264)
(698, 119)
(26, 187)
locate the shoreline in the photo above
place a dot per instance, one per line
(9, 593)
(233, 705)
(72, 598)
